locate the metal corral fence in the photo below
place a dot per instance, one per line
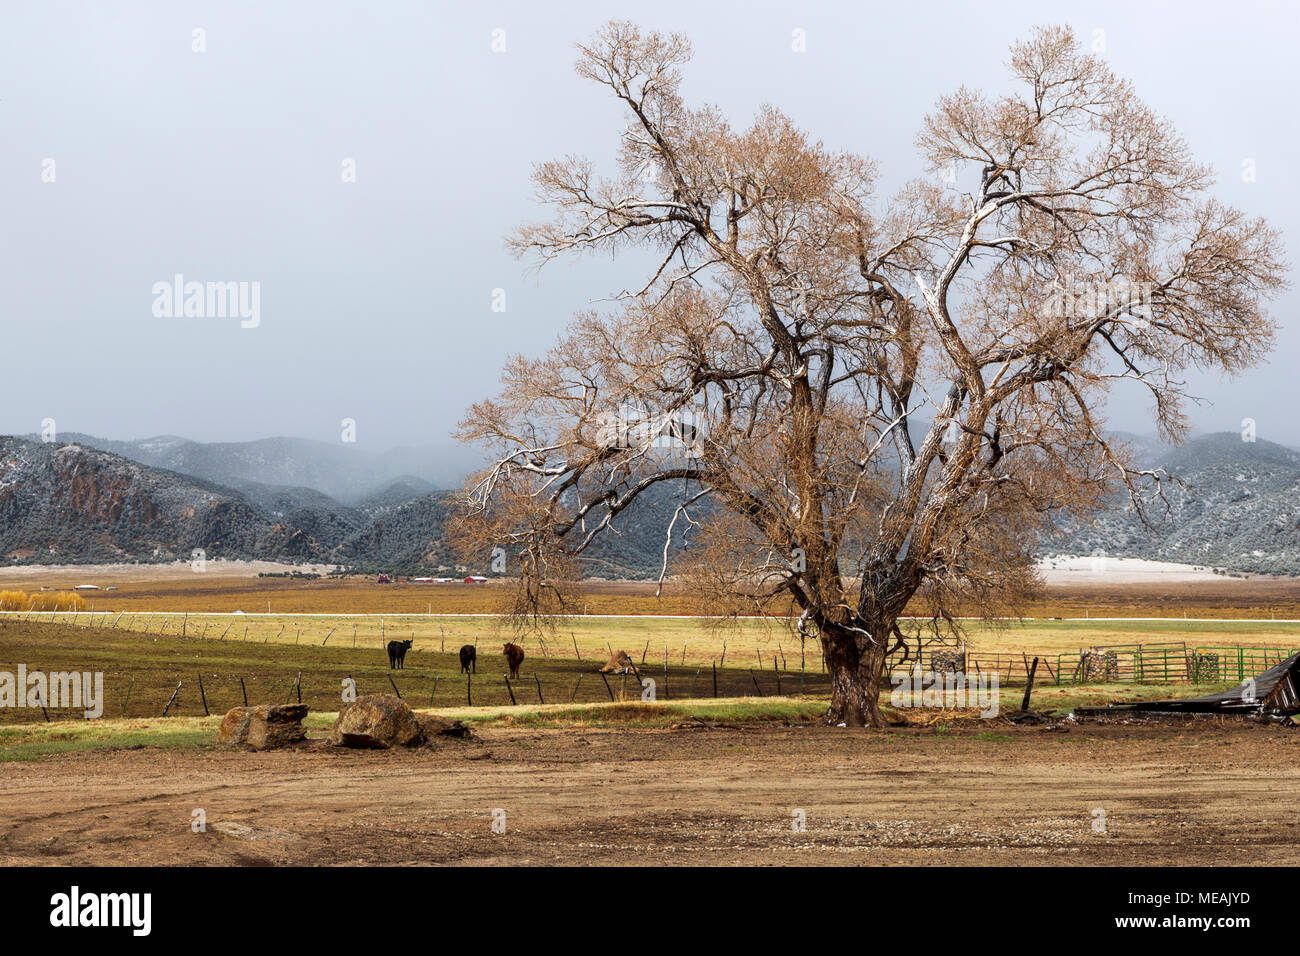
(1158, 663)
(1172, 663)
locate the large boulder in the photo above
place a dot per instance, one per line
(377, 720)
(382, 720)
(264, 727)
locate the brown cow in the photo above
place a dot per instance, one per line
(620, 663)
(514, 657)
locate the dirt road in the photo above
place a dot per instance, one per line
(1207, 794)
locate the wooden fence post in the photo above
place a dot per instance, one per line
(173, 698)
(1029, 685)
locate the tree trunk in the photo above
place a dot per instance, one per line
(855, 678)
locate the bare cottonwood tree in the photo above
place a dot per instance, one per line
(884, 402)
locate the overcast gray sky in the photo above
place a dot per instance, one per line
(376, 295)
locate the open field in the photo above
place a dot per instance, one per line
(177, 588)
(689, 643)
(141, 674)
(1215, 794)
(142, 671)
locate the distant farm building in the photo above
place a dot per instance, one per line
(384, 579)
(475, 579)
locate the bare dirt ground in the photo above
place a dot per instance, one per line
(1185, 794)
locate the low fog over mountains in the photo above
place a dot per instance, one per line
(345, 472)
(86, 499)
(89, 500)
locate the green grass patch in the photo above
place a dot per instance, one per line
(32, 741)
(643, 714)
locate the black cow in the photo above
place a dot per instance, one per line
(397, 654)
(468, 659)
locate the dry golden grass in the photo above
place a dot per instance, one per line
(685, 641)
(42, 601)
(147, 589)
(628, 616)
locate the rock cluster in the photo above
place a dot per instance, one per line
(948, 662)
(265, 727)
(375, 721)
(1097, 665)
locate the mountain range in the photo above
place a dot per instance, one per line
(1236, 506)
(345, 472)
(72, 502)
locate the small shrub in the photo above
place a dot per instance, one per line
(14, 601)
(57, 601)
